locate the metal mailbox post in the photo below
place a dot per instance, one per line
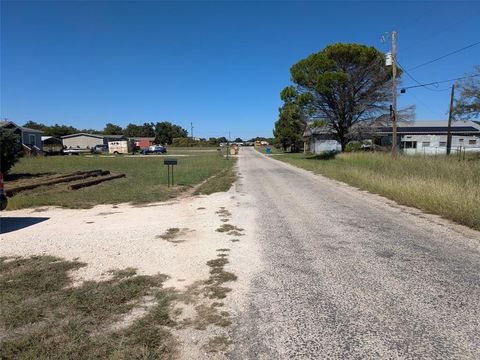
(170, 163)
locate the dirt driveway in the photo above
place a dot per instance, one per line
(174, 238)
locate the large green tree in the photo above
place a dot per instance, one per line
(289, 127)
(145, 130)
(165, 132)
(112, 129)
(10, 149)
(468, 104)
(343, 84)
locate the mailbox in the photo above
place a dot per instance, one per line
(170, 162)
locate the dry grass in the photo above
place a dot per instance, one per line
(44, 317)
(172, 233)
(438, 185)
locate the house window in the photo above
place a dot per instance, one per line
(472, 142)
(31, 139)
(409, 144)
(425, 143)
(443, 143)
(460, 141)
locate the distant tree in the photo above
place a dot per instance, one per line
(59, 130)
(238, 140)
(34, 125)
(213, 141)
(90, 131)
(112, 129)
(468, 105)
(343, 84)
(53, 130)
(222, 139)
(165, 132)
(10, 149)
(289, 128)
(145, 130)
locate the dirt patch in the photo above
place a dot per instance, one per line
(223, 212)
(235, 233)
(105, 213)
(228, 228)
(173, 233)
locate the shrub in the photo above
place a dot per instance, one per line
(10, 149)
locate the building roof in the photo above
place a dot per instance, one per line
(98, 136)
(137, 138)
(432, 127)
(4, 123)
(82, 134)
(435, 127)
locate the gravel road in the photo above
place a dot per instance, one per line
(347, 274)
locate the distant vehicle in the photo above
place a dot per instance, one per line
(72, 151)
(154, 149)
(120, 147)
(3, 197)
(99, 149)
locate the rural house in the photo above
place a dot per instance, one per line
(31, 139)
(88, 141)
(430, 137)
(420, 137)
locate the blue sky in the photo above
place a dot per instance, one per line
(220, 65)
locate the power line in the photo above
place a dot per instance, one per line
(444, 56)
(418, 82)
(440, 82)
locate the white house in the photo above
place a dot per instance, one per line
(430, 137)
(420, 137)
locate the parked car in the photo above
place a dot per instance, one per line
(154, 149)
(99, 149)
(3, 197)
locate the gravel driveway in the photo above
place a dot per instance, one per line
(346, 274)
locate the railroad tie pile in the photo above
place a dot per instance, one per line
(77, 175)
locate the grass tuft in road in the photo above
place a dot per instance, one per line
(44, 317)
(438, 185)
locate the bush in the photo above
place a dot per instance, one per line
(354, 146)
(10, 149)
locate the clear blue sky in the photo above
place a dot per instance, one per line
(220, 65)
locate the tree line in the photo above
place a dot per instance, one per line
(346, 88)
(164, 132)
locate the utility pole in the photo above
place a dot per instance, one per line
(394, 93)
(450, 116)
(191, 130)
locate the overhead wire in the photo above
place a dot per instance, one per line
(441, 82)
(444, 56)
(418, 82)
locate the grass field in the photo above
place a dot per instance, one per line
(438, 185)
(146, 178)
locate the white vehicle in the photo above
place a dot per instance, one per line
(120, 147)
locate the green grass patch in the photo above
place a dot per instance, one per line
(44, 317)
(438, 185)
(220, 182)
(146, 178)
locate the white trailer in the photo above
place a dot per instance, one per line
(120, 147)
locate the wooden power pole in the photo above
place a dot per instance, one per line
(394, 93)
(450, 116)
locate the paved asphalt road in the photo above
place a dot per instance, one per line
(348, 275)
